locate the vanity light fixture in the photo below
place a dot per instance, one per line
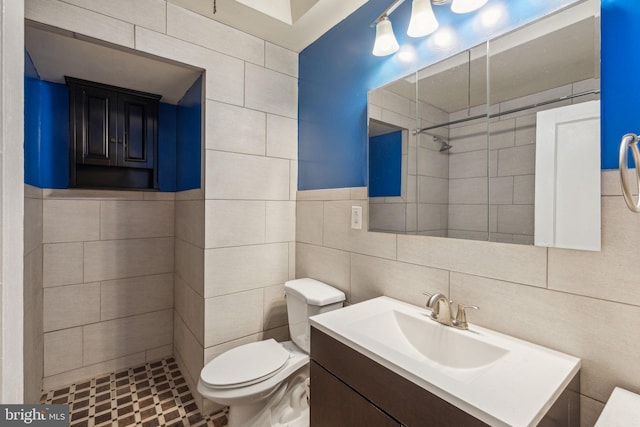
(422, 23)
(386, 42)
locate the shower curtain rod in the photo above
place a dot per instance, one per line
(503, 113)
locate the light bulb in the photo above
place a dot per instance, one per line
(386, 42)
(466, 6)
(423, 22)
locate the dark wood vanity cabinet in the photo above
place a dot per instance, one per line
(357, 378)
(113, 139)
(349, 389)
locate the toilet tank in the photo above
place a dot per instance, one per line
(305, 298)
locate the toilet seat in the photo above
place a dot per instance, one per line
(245, 365)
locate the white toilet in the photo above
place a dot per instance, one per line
(266, 383)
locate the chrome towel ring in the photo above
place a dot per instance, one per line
(630, 140)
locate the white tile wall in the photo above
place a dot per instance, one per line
(280, 221)
(63, 264)
(270, 91)
(92, 371)
(189, 221)
(33, 224)
(130, 220)
(189, 265)
(62, 351)
(281, 59)
(245, 267)
(235, 129)
(282, 137)
(105, 279)
(33, 294)
(115, 259)
(120, 337)
(275, 307)
(189, 351)
(580, 302)
(339, 234)
(147, 13)
(199, 30)
(190, 307)
(80, 20)
(240, 176)
(257, 167)
(247, 319)
(71, 221)
(73, 305)
(224, 74)
(372, 277)
(235, 223)
(328, 265)
(136, 295)
(309, 221)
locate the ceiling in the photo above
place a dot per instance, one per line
(292, 24)
(56, 54)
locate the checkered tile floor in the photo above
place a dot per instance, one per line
(152, 395)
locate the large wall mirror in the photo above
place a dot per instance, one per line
(453, 147)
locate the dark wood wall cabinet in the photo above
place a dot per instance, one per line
(349, 389)
(113, 136)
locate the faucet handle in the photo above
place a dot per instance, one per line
(461, 316)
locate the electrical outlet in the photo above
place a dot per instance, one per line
(356, 217)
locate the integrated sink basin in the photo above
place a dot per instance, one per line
(421, 338)
(498, 379)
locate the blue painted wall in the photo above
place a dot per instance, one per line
(29, 68)
(167, 142)
(620, 85)
(188, 150)
(46, 136)
(385, 165)
(338, 70)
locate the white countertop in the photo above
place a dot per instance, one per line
(516, 390)
(622, 410)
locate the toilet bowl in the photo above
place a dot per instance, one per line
(265, 383)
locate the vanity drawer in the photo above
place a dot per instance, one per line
(339, 405)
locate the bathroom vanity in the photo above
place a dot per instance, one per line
(385, 363)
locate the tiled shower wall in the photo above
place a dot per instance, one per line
(583, 303)
(396, 214)
(422, 206)
(232, 264)
(452, 190)
(33, 306)
(511, 168)
(108, 281)
(188, 320)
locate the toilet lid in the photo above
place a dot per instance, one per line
(245, 365)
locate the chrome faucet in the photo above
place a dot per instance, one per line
(440, 307)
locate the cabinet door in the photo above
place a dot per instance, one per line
(335, 404)
(95, 111)
(136, 131)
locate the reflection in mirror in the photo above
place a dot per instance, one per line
(475, 149)
(545, 66)
(452, 103)
(392, 158)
